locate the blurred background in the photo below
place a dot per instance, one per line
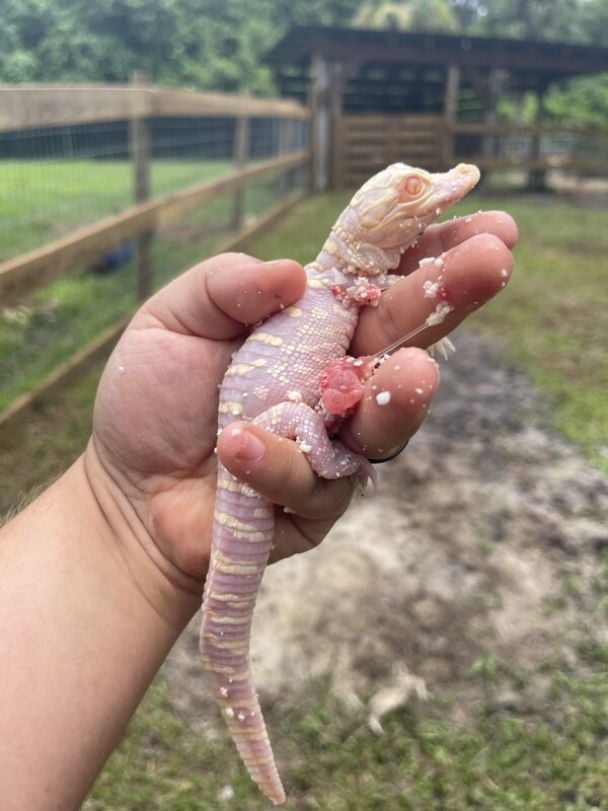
(447, 646)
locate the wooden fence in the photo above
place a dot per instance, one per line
(363, 143)
(24, 108)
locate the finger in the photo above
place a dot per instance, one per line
(278, 470)
(465, 277)
(446, 235)
(216, 298)
(394, 404)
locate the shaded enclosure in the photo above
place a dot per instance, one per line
(381, 96)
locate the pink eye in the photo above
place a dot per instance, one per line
(412, 186)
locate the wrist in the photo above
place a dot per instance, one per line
(172, 594)
(89, 620)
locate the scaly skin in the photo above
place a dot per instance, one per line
(274, 380)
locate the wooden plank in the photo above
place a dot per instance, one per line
(240, 155)
(139, 149)
(356, 150)
(101, 346)
(48, 105)
(518, 129)
(365, 119)
(359, 152)
(381, 136)
(392, 135)
(190, 103)
(29, 106)
(25, 273)
(559, 162)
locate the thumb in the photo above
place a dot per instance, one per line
(219, 297)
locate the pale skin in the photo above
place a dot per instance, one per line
(102, 572)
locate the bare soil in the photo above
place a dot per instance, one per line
(467, 553)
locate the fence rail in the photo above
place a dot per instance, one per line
(363, 143)
(535, 148)
(31, 270)
(252, 160)
(31, 106)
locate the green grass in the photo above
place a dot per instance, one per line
(551, 317)
(332, 761)
(553, 757)
(42, 200)
(61, 318)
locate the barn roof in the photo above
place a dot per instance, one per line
(552, 61)
(393, 71)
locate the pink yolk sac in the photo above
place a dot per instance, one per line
(342, 381)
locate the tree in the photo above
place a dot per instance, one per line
(410, 15)
(199, 43)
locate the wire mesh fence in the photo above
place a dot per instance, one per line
(56, 179)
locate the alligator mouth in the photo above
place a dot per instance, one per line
(453, 185)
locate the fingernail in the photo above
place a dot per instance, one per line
(248, 448)
(277, 262)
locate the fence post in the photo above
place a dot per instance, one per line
(537, 175)
(139, 145)
(319, 124)
(285, 145)
(450, 114)
(241, 155)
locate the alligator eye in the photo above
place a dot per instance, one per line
(412, 186)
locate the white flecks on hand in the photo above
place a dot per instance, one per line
(431, 289)
(229, 712)
(504, 273)
(121, 370)
(438, 262)
(419, 391)
(304, 447)
(439, 314)
(224, 692)
(295, 396)
(383, 398)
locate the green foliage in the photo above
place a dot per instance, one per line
(220, 44)
(199, 43)
(540, 19)
(582, 102)
(409, 15)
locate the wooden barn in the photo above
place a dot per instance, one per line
(381, 96)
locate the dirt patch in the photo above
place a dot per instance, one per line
(463, 555)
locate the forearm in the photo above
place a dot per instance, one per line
(79, 644)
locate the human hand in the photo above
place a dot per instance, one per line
(151, 459)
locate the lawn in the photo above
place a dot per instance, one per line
(42, 200)
(550, 321)
(60, 319)
(550, 317)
